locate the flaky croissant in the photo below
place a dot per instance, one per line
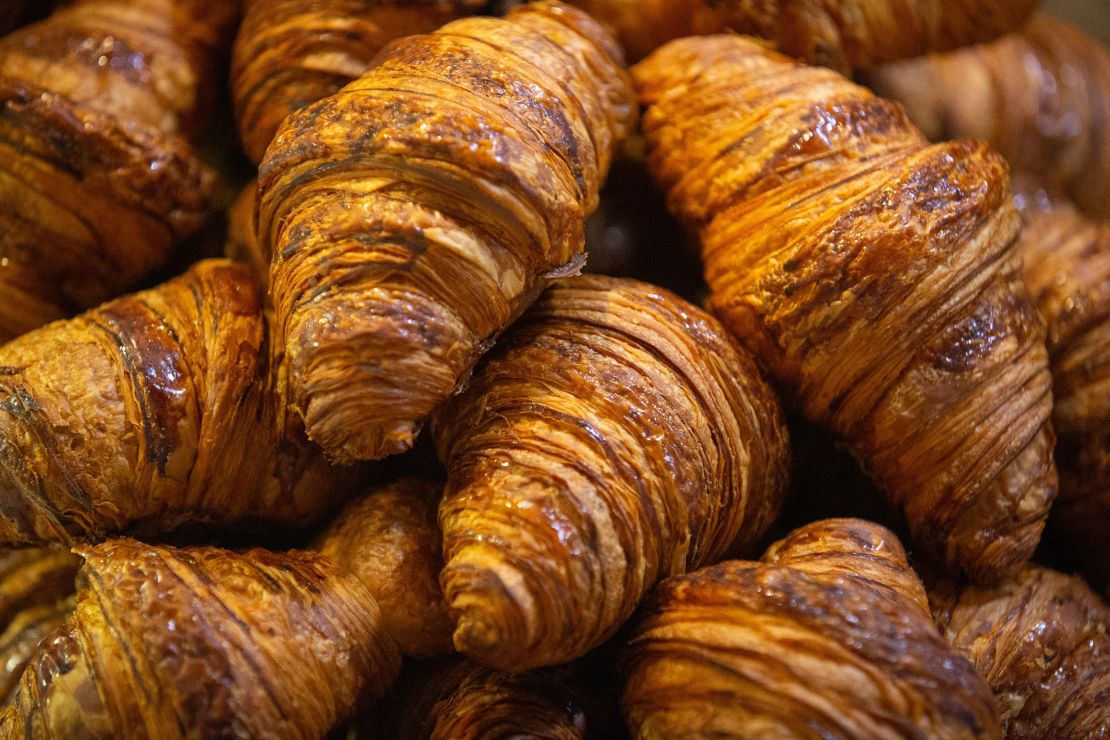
(203, 642)
(842, 34)
(828, 635)
(411, 216)
(1041, 97)
(97, 184)
(150, 411)
(290, 53)
(389, 540)
(36, 589)
(615, 436)
(1040, 640)
(874, 275)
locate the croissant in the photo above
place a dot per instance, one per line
(242, 240)
(97, 184)
(36, 587)
(390, 541)
(828, 635)
(414, 214)
(1041, 97)
(290, 53)
(1067, 269)
(875, 277)
(1040, 639)
(203, 642)
(150, 411)
(614, 437)
(842, 34)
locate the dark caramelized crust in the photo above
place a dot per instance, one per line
(411, 216)
(203, 642)
(1041, 97)
(153, 410)
(1040, 640)
(813, 641)
(842, 34)
(290, 53)
(389, 540)
(617, 435)
(875, 277)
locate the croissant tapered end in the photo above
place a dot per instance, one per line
(615, 436)
(795, 646)
(874, 275)
(1041, 641)
(202, 638)
(415, 213)
(389, 540)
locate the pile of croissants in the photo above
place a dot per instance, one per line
(316, 419)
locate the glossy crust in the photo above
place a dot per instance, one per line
(827, 636)
(411, 216)
(615, 436)
(874, 275)
(390, 541)
(457, 699)
(1041, 97)
(1067, 269)
(203, 642)
(153, 410)
(842, 34)
(1040, 640)
(96, 184)
(290, 53)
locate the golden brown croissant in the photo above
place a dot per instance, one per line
(617, 435)
(242, 240)
(36, 588)
(203, 642)
(1041, 97)
(1040, 640)
(150, 411)
(875, 277)
(828, 635)
(96, 183)
(411, 216)
(842, 34)
(290, 53)
(390, 541)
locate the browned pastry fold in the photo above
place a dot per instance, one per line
(1040, 640)
(411, 216)
(390, 541)
(828, 635)
(457, 699)
(615, 436)
(290, 53)
(96, 183)
(242, 239)
(842, 34)
(1067, 269)
(874, 275)
(203, 642)
(36, 588)
(1041, 97)
(150, 411)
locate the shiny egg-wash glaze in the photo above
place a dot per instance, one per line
(1040, 97)
(290, 53)
(842, 34)
(97, 180)
(875, 277)
(203, 642)
(828, 635)
(1040, 640)
(615, 436)
(414, 214)
(390, 541)
(154, 410)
